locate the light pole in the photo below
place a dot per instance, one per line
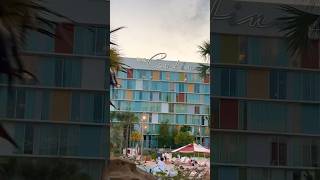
(144, 117)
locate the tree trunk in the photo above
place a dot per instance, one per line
(129, 135)
(127, 139)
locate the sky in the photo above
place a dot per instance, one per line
(174, 27)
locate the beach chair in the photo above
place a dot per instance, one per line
(202, 163)
(201, 174)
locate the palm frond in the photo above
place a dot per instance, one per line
(115, 30)
(5, 135)
(16, 18)
(203, 70)
(205, 49)
(297, 27)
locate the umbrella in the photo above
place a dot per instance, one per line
(192, 148)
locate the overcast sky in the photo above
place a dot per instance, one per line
(175, 27)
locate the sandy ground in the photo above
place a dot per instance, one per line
(120, 169)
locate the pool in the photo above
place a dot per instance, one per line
(151, 167)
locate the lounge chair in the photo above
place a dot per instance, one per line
(202, 173)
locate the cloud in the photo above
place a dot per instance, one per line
(173, 26)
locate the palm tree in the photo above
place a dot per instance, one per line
(205, 51)
(17, 17)
(126, 119)
(116, 64)
(300, 29)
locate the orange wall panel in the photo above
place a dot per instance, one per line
(60, 106)
(191, 88)
(258, 84)
(155, 75)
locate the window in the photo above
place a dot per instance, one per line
(146, 85)
(228, 114)
(21, 103)
(197, 88)
(180, 97)
(172, 86)
(150, 118)
(155, 85)
(98, 109)
(278, 84)
(101, 43)
(139, 85)
(171, 108)
(311, 56)
(142, 74)
(163, 75)
(278, 154)
(129, 73)
(84, 41)
(155, 96)
(131, 84)
(64, 39)
(233, 82)
(155, 75)
(174, 76)
(310, 84)
(72, 72)
(182, 76)
(181, 119)
(314, 155)
(202, 120)
(58, 78)
(28, 142)
(36, 41)
(90, 40)
(181, 87)
(197, 110)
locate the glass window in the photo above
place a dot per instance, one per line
(181, 87)
(146, 85)
(131, 84)
(101, 48)
(311, 87)
(72, 73)
(84, 42)
(278, 84)
(136, 74)
(90, 141)
(174, 76)
(148, 74)
(163, 75)
(29, 136)
(122, 74)
(171, 108)
(98, 109)
(155, 85)
(36, 41)
(181, 119)
(197, 88)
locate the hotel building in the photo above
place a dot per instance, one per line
(166, 91)
(265, 103)
(63, 114)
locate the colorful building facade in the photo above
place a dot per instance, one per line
(165, 91)
(265, 103)
(63, 114)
